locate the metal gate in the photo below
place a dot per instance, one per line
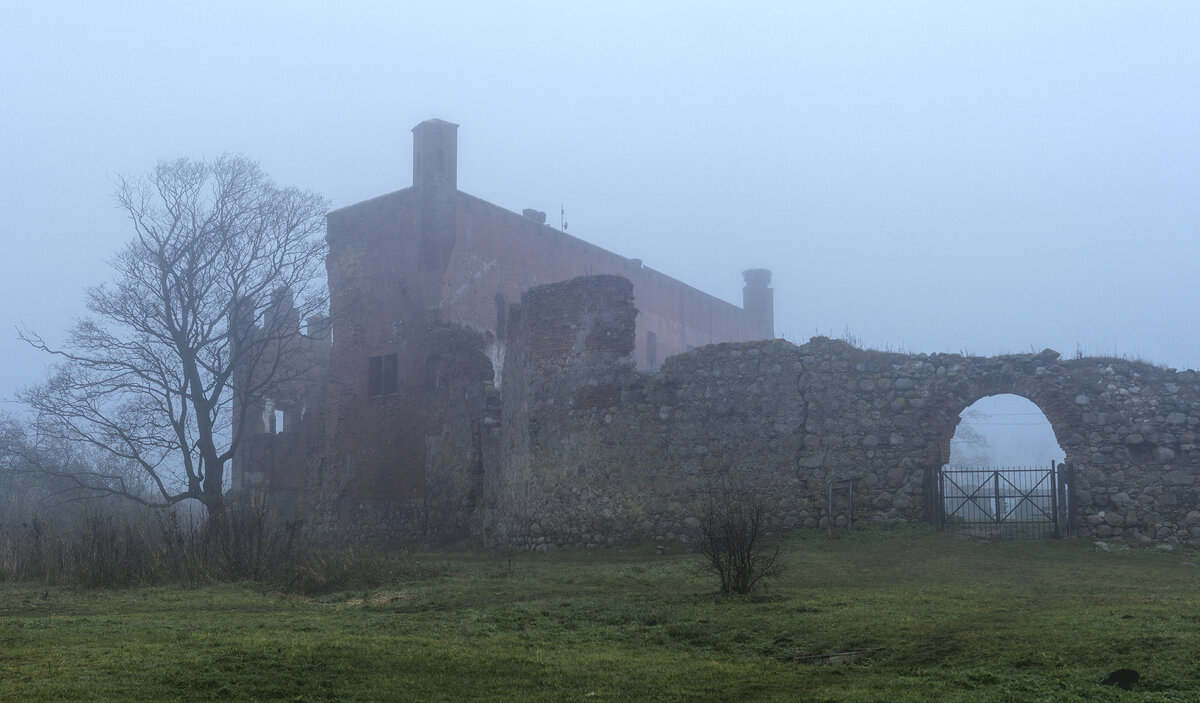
(1009, 502)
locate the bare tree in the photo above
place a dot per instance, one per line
(969, 446)
(13, 484)
(205, 302)
(39, 474)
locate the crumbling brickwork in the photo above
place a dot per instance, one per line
(284, 430)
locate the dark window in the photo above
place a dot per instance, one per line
(381, 375)
(651, 350)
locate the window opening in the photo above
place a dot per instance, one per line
(382, 377)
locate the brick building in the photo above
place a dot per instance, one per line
(416, 278)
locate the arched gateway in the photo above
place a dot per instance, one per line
(1128, 429)
(1006, 474)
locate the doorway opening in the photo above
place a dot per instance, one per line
(1005, 476)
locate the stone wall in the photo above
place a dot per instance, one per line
(593, 452)
(1129, 429)
(578, 447)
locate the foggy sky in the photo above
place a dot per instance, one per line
(961, 177)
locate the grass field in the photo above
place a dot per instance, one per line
(934, 618)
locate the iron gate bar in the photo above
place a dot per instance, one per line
(1057, 498)
(1008, 500)
(1025, 496)
(968, 497)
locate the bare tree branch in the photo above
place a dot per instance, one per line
(207, 295)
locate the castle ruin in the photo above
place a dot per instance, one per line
(476, 383)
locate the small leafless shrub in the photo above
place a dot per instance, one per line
(736, 542)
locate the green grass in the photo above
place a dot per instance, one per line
(940, 619)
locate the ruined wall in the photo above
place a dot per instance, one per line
(1129, 429)
(573, 342)
(459, 409)
(498, 255)
(600, 454)
(462, 406)
(402, 269)
(401, 461)
(283, 430)
(593, 452)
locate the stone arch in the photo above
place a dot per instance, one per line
(1004, 430)
(983, 378)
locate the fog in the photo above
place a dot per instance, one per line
(980, 177)
(1004, 431)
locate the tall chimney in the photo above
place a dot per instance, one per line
(759, 300)
(435, 154)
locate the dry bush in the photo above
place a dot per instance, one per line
(110, 551)
(326, 569)
(242, 542)
(245, 543)
(736, 542)
(91, 550)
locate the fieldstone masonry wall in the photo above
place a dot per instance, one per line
(593, 452)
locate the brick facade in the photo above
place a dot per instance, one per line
(406, 268)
